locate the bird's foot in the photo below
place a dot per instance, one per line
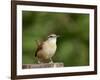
(51, 62)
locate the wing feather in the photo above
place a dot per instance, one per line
(39, 47)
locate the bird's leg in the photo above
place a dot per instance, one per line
(51, 61)
(39, 62)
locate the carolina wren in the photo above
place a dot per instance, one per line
(47, 49)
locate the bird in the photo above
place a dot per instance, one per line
(46, 50)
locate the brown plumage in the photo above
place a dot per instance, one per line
(39, 47)
(46, 49)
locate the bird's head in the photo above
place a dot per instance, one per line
(53, 37)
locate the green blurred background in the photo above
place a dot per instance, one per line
(73, 44)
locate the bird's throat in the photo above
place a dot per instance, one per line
(52, 41)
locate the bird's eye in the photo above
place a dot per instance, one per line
(50, 36)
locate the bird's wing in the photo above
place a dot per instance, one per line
(39, 47)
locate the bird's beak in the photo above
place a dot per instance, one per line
(58, 36)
